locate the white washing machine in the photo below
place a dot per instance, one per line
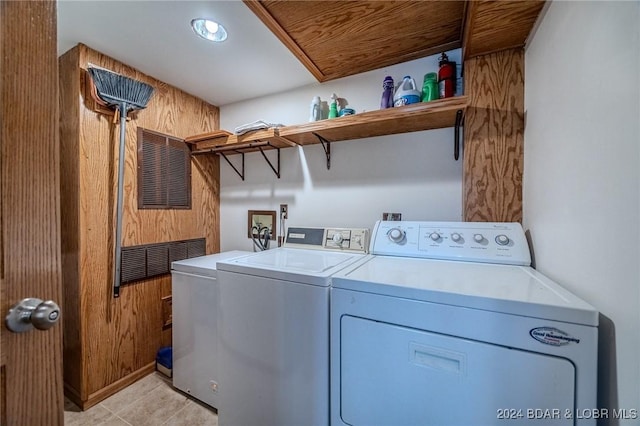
(195, 303)
(446, 324)
(274, 328)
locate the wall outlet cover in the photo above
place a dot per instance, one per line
(392, 216)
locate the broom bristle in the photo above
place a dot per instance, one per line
(115, 89)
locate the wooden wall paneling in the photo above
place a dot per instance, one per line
(493, 137)
(166, 330)
(205, 169)
(335, 39)
(491, 26)
(122, 335)
(69, 105)
(31, 370)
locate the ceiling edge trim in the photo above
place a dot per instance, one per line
(263, 14)
(467, 27)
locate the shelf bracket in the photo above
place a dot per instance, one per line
(234, 167)
(276, 171)
(456, 136)
(326, 145)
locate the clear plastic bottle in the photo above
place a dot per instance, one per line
(315, 109)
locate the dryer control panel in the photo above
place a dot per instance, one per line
(489, 242)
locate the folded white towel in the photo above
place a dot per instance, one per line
(256, 125)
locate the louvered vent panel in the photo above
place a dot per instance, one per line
(140, 262)
(132, 266)
(179, 175)
(154, 178)
(157, 260)
(196, 248)
(164, 172)
(177, 251)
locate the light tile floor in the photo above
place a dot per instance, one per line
(150, 401)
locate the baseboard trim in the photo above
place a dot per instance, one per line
(107, 391)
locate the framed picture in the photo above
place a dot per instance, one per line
(260, 219)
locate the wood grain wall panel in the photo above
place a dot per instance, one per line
(121, 336)
(492, 25)
(335, 39)
(493, 137)
(69, 101)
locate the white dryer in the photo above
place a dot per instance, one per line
(448, 325)
(195, 305)
(274, 328)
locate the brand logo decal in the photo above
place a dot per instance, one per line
(552, 336)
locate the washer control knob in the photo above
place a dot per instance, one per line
(502, 240)
(434, 236)
(456, 237)
(396, 235)
(478, 238)
(337, 238)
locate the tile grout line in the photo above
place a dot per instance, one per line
(132, 401)
(179, 411)
(123, 420)
(113, 414)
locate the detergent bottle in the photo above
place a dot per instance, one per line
(406, 93)
(430, 87)
(387, 93)
(333, 108)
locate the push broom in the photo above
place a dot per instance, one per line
(122, 94)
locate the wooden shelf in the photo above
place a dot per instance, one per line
(409, 118)
(223, 141)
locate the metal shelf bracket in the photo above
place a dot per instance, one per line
(234, 167)
(276, 171)
(326, 145)
(456, 136)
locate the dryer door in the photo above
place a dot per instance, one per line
(399, 375)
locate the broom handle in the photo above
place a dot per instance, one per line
(118, 237)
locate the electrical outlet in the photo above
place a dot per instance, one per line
(284, 211)
(391, 216)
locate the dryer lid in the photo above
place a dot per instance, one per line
(508, 289)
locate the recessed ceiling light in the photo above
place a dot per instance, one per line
(209, 30)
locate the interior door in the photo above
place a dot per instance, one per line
(31, 389)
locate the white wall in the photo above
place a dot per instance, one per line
(413, 174)
(581, 173)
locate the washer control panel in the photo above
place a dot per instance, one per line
(342, 239)
(354, 239)
(489, 242)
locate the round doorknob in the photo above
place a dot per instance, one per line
(45, 315)
(32, 313)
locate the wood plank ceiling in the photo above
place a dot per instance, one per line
(335, 39)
